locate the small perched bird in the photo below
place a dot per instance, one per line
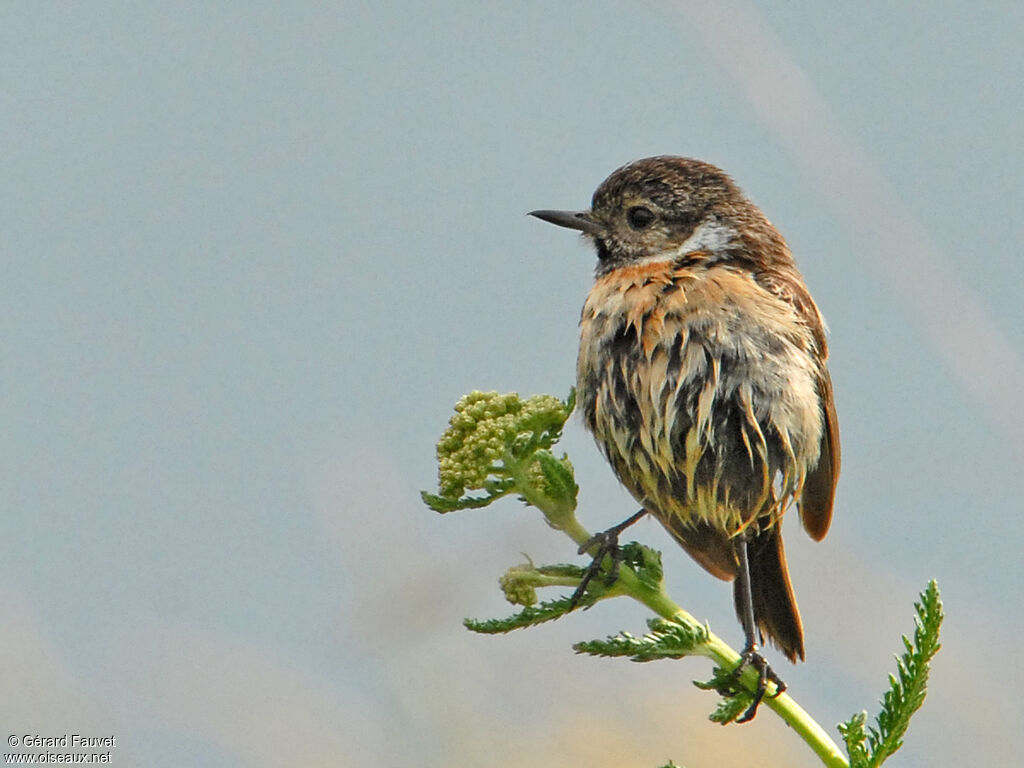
(702, 375)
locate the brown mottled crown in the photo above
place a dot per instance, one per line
(678, 184)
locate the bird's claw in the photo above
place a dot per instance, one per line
(607, 546)
(765, 674)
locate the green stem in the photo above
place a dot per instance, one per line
(560, 517)
(715, 648)
(540, 580)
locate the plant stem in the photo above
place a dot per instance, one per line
(715, 649)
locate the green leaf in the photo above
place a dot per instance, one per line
(622, 644)
(528, 617)
(731, 707)
(570, 402)
(666, 640)
(872, 746)
(735, 698)
(855, 735)
(646, 562)
(444, 504)
(723, 680)
(560, 483)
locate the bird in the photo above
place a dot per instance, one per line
(702, 375)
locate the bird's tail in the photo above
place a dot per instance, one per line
(775, 611)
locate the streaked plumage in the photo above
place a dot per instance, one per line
(702, 373)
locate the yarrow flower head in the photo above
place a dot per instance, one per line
(490, 437)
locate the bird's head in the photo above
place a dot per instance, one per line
(670, 208)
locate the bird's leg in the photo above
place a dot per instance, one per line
(607, 546)
(751, 657)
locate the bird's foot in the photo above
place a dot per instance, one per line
(607, 543)
(765, 674)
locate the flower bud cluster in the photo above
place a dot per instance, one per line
(483, 427)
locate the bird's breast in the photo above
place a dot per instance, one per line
(701, 388)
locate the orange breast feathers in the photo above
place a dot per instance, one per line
(643, 295)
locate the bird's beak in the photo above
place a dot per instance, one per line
(580, 220)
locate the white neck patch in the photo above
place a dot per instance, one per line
(711, 236)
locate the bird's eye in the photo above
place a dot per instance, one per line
(639, 217)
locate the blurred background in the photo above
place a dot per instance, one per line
(253, 252)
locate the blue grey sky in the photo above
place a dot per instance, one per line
(253, 252)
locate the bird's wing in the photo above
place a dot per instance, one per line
(820, 486)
